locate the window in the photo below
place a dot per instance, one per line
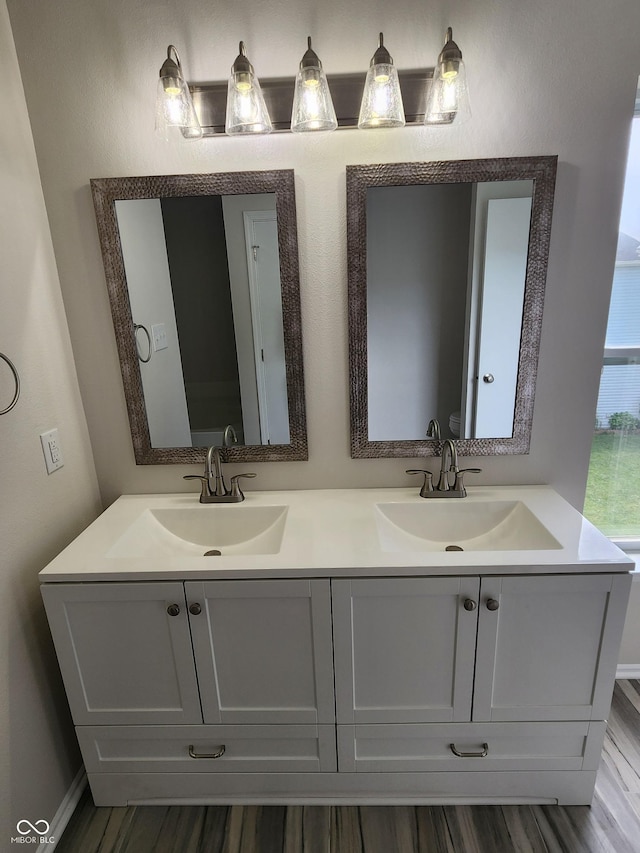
(613, 488)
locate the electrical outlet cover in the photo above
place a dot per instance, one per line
(52, 451)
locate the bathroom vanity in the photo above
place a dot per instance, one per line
(334, 651)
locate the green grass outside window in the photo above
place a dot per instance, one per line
(612, 502)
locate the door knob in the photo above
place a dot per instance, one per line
(488, 378)
(173, 610)
(195, 609)
(492, 604)
(469, 604)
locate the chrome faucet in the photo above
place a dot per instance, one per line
(433, 429)
(445, 488)
(230, 436)
(213, 488)
(448, 450)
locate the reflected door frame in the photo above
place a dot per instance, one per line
(261, 238)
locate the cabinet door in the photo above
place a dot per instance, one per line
(549, 649)
(124, 658)
(404, 649)
(263, 650)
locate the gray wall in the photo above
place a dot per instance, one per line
(39, 514)
(542, 82)
(561, 94)
(417, 270)
(197, 253)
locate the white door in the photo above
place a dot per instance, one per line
(144, 252)
(124, 651)
(263, 650)
(261, 234)
(505, 266)
(404, 649)
(548, 648)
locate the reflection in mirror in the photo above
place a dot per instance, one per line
(447, 266)
(203, 281)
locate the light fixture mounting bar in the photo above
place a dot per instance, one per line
(346, 90)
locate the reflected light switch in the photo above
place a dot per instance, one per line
(159, 335)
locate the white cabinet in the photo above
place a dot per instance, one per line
(541, 653)
(124, 658)
(404, 649)
(495, 650)
(446, 688)
(263, 650)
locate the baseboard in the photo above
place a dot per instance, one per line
(65, 810)
(628, 670)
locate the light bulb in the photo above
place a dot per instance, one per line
(174, 105)
(246, 109)
(448, 96)
(381, 104)
(312, 105)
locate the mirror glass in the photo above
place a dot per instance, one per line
(447, 264)
(203, 280)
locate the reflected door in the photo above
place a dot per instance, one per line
(505, 267)
(261, 234)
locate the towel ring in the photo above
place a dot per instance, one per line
(137, 326)
(17, 381)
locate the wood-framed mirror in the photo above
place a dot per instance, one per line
(447, 265)
(203, 280)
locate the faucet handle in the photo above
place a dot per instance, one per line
(236, 491)
(427, 485)
(458, 486)
(205, 491)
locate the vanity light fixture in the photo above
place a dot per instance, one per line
(381, 104)
(448, 96)
(243, 106)
(174, 105)
(246, 109)
(312, 105)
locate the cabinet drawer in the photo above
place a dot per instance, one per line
(247, 749)
(510, 746)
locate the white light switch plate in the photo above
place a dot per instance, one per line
(52, 451)
(159, 335)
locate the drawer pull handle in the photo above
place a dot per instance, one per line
(492, 604)
(483, 754)
(469, 604)
(217, 754)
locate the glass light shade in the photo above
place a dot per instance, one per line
(174, 105)
(448, 95)
(312, 105)
(246, 109)
(381, 104)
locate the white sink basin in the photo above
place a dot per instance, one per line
(193, 531)
(469, 526)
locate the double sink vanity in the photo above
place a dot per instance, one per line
(354, 646)
(328, 646)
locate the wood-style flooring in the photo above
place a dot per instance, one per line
(610, 825)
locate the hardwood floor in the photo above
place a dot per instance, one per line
(610, 825)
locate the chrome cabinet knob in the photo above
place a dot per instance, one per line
(195, 609)
(173, 610)
(469, 604)
(492, 604)
(488, 378)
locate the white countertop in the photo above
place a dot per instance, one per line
(333, 533)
